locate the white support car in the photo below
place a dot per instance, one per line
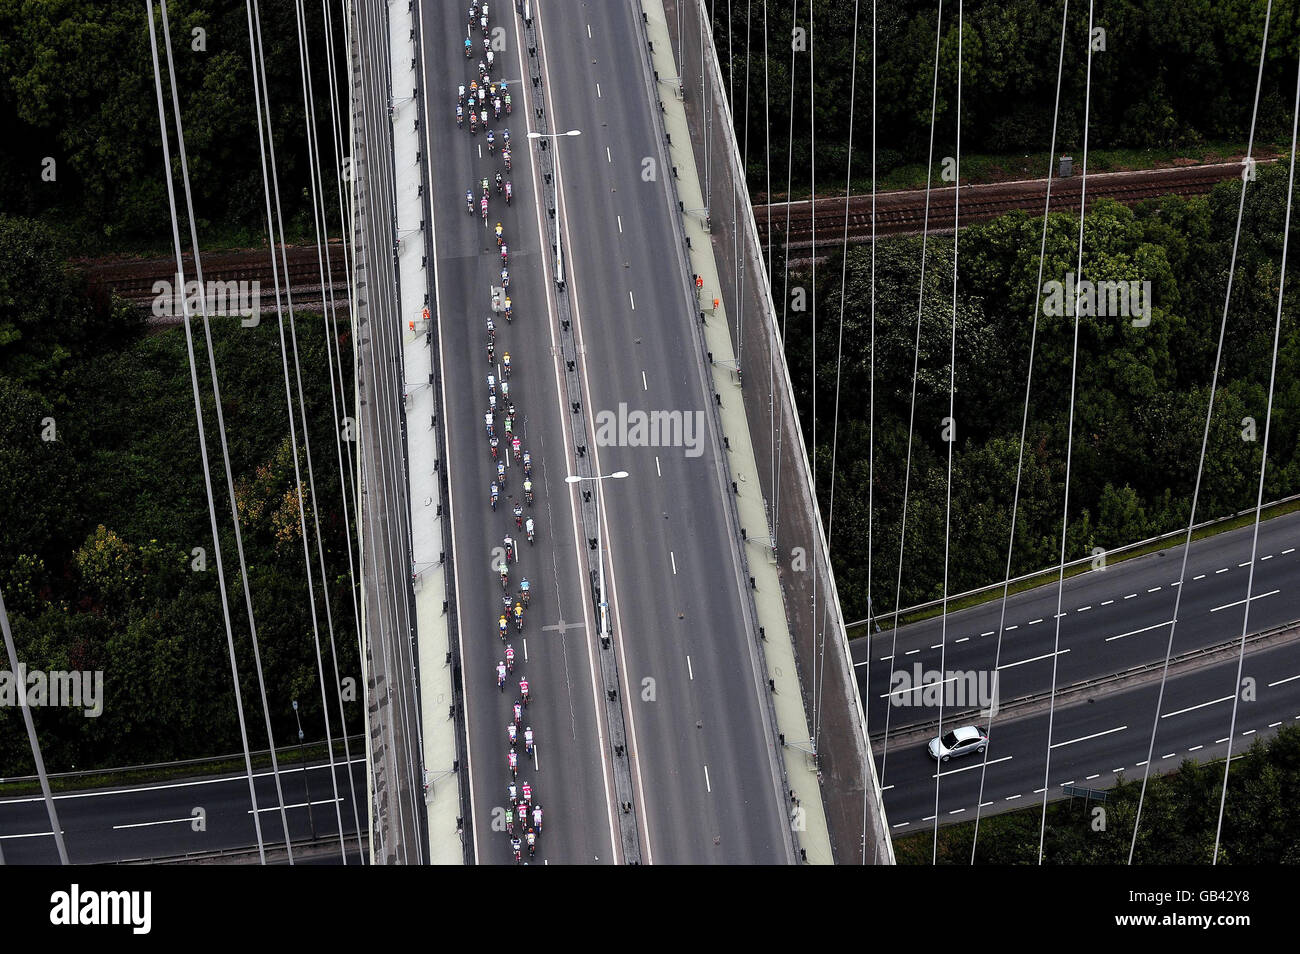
(963, 741)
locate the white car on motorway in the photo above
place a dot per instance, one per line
(963, 741)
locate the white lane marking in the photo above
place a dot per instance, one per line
(1224, 570)
(963, 639)
(886, 658)
(1220, 741)
(40, 834)
(1010, 628)
(1201, 577)
(1168, 622)
(598, 96)
(1130, 596)
(1107, 602)
(631, 299)
(674, 559)
(900, 824)
(1153, 589)
(1091, 777)
(1084, 609)
(1263, 558)
(525, 649)
(689, 668)
(707, 783)
(887, 788)
(956, 811)
(1289, 550)
(607, 155)
(989, 633)
(1249, 732)
(1013, 797)
(276, 808)
(1035, 659)
(1280, 681)
(644, 386)
(1085, 738)
(620, 224)
(658, 472)
(1195, 747)
(1239, 602)
(1033, 622)
(1240, 565)
(1005, 758)
(1274, 725)
(1202, 705)
(937, 646)
(588, 31)
(911, 652)
(1169, 756)
(165, 821)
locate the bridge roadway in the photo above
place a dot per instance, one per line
(703, 757)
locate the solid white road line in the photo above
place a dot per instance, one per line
(1144, 629)
(1239, 602)
(1212, 702)
(1085, 738)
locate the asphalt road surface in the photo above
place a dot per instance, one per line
(157, 820)
(702, 753)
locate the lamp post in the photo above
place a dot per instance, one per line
(559, 243)
(302, 757)
(600, 556)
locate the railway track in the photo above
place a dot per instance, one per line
(904, 212)
(135, 279)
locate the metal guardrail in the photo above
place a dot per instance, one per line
(1090, 794)
(931, 604)
(282, 751)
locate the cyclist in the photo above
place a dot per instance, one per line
(528, 490)
(510, 658)
(510, 821)
(491, 351)
(528, 740)
(523, 691)
(491, 140)
(501, 626)
(505, 278)
(528, 793)
(505, 255)
(504, 570)
(494, 493)
(505, 356)
(515, 445)
(509, 193)
(513, 761)
(498, 228)
(523, 590)
(492, 383)
(528, 464)
(501, 676)
(512, 733)
(469, 200)
(519, 516)
(501, 472)
(530, 532)
(537, 818)
(488, 422)
(532, 842)
(519, 616)
(519, 714)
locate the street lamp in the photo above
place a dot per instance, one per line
(571, 132)
(600, 557)
(302, 757)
